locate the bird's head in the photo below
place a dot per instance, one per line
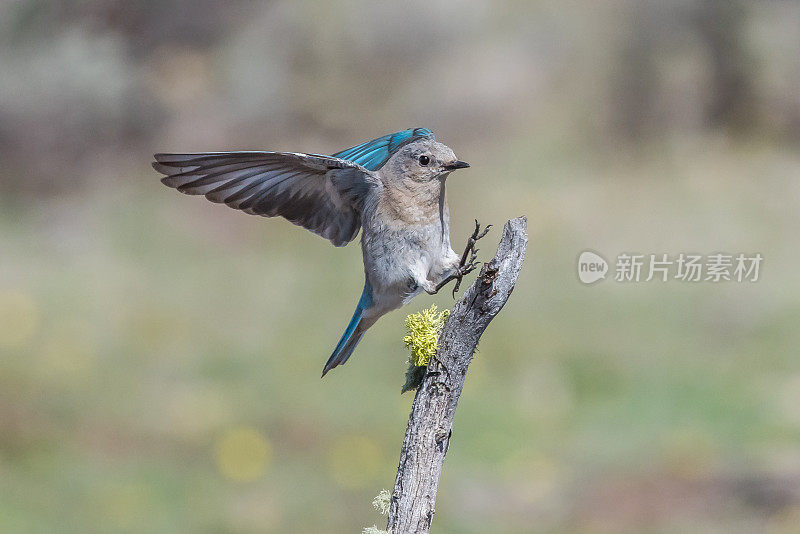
(424, 160)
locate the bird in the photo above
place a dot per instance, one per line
(391, 189)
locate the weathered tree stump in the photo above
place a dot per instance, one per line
(430, 424)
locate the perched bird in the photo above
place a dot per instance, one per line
(392, 188)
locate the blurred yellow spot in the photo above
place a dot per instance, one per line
(354, 461)
(68, 353)
(243, 454)
(18, 319)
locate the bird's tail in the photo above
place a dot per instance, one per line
(353, 333)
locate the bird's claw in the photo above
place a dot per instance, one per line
(469, 259)
(477, 234)
(463, 271)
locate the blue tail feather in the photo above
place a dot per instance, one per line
(352, 334)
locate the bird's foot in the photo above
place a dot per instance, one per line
(469, 260)
(468, 265)
(470, 248)
(464, 270)
(476, 235)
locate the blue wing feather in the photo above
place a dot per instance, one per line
(373, 154)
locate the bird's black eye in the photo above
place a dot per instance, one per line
(424, 160)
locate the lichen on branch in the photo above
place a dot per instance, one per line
(422, 337)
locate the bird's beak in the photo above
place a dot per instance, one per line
(456, 165)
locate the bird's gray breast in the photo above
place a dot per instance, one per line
(396, 254)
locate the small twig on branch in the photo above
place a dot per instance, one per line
(431, 421)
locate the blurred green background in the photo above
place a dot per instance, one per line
(160, 355)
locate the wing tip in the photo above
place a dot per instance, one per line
(162, 157)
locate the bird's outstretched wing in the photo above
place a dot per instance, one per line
(321, 193)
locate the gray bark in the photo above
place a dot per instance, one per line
(431, 421)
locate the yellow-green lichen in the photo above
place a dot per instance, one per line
(422, 338)
(423, 331)
(382, 501)
(381, 504)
